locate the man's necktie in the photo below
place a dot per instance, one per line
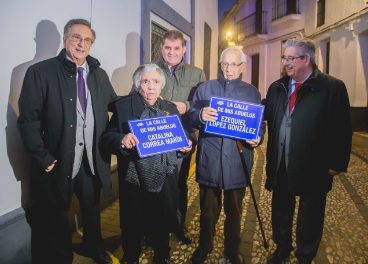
(82, 90)
(293, 96)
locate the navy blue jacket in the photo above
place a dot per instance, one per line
(218, 160)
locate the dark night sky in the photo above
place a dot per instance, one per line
(223, 6)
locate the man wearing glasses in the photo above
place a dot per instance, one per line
(63, 112)
(219, 165)
(309, 142)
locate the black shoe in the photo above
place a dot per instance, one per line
(184, 235)
(164, 261)
(102, 257)
(127, 262)
(278, 257)
(199, 256)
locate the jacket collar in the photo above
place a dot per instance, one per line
(313, 81)
(225, 81)
(71, 66)
(162, 64)
(138, 107)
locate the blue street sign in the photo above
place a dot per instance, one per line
(158, 135)
(236, 119)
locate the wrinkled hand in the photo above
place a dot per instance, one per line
(182, 108)
(333, 172)
(187, 149)
(49, 168)
(254, 143)
(209, 114)
(129, 141)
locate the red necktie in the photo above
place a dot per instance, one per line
(293, 96)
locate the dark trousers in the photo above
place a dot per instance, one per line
(183, 167)
(211, 204)
(51, 238)
(140, 217)
(310, 220)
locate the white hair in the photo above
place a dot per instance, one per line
(242, 56)
(137, 76)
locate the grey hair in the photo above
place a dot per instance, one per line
(305, 47)
(242, 56)
(137, 75)
(73, 22)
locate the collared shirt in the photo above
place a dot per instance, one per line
(85, 73)
(292, 84)
(172, 68)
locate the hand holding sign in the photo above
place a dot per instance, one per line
(187, 149)
(129, 141)
(254, 142)
(209, 114)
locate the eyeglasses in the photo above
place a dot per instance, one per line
(290, 59)
(77, 38)
(232, 65)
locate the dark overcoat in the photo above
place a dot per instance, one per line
(127, 108)
(218, 160)
(320, 137)
(47, 124)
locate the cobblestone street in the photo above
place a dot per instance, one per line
(345, 236)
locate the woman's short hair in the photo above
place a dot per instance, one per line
(305, 47)
(147, 68)
(242, 56)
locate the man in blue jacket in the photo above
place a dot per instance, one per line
(219, 165)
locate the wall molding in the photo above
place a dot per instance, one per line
(163, 10)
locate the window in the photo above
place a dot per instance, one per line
(282, 8)
(320, 13)
(157, 33)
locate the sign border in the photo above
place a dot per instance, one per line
(151, 118)
(228, 99)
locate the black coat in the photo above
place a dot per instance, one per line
(47, 124)
(320, 132)
(130, 107)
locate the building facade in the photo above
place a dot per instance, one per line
(338, 27)
(128, 34)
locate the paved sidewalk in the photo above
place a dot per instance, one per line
(345, 237)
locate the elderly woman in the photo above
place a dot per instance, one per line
(148, 209)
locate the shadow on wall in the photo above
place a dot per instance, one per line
(47, 40)
(121, 78)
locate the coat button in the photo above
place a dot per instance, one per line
(81, 144)
(71, 125)
(71, 99)
(71, 76)
(68, 176)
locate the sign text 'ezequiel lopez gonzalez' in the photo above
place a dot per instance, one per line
(236, 119)
(158, 135)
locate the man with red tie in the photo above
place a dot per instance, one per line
(309, 142)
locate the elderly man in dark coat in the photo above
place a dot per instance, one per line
(63, 112)
(219, 165)
(308, 119)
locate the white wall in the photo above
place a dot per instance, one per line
(183, 7)
(117, 48)
(206, 11)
